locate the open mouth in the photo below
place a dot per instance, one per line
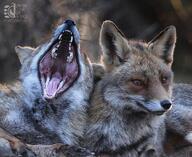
(59, 68)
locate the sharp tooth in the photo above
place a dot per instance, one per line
(70, 47)
(71, 39)
(70, 57)
(53, 53)
(61, 84)
(57, 46)
(47, 81)
(60, 36)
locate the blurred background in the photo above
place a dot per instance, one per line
(30, 22)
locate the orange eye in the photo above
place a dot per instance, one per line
(138, 83)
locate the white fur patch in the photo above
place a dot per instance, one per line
(77, 96)
(188, 137)
(13, 116)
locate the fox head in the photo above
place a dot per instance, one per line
(57, 68)
(138, 74)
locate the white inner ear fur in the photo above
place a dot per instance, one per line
(113, 48)
(163, 44)
(122, 46)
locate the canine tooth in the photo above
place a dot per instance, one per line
(53, 53)
(70, 47)
(70, 57)
(54, 50)
(71, 39)
(47, 81)
(60, 36)
(61, 84)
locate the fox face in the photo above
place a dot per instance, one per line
(54, 67)
(138, 74)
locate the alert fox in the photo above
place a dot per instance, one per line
(129, 104)
(48, 104)
(178, 140)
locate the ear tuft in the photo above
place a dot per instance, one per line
(23, 52)
(163, 44)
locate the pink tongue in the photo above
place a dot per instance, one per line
(52, 86)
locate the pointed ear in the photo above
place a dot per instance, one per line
(23, 52)
(113, 43)
(163, 44)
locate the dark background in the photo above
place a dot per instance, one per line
(139, 19)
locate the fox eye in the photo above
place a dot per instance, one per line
(138, 82)
(164, 79)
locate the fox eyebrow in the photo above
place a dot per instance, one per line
(167, 73)
(139, 46)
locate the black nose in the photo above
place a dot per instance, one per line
(166, 104)
(69, 23)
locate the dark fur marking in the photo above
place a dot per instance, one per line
(139, 46)
(123, 149)
(38, 113)
(109, 40)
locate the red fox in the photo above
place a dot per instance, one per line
(178, 140)
(129, 104)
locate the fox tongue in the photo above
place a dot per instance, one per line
(52, 85)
